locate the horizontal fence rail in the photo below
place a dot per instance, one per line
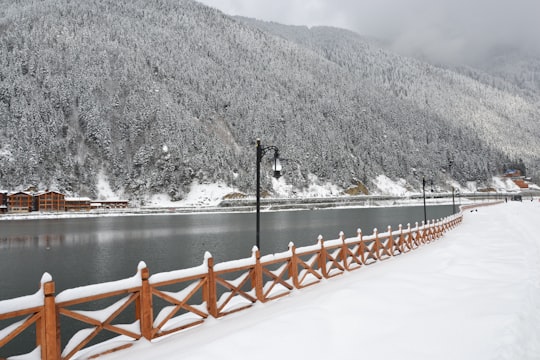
(111, 316)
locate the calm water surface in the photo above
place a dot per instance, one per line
(82, 251)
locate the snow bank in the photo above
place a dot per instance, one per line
(199, 195)
(105, 192)
(501, 184)
(388, 187)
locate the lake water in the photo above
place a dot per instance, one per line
(81, 251)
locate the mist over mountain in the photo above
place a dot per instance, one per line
(156, 95)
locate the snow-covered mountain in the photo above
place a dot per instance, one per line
(155, 96)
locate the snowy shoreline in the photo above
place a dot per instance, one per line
(248, 206)
(211, 198)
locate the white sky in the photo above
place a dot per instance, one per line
(473, 294)
(452, 30)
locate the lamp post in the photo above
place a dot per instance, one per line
(450, 164)
(424, 195)
(453, 201)
(261, 151)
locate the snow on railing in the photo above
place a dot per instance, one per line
(153, 306)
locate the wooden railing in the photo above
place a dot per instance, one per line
(110, 316)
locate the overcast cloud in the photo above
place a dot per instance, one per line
(445, 30)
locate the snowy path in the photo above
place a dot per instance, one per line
(474, 294)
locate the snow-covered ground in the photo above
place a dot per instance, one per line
(213, 194)
(473, 294)
(207, 197)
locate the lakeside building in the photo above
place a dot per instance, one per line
(50, 201)
(517, 177)
(3, 202)
(109, 204)
(53, 201)
(78, 204)
(20, 202)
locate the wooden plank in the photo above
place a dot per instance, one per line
(200, 277)
(18, 313)
(97, 297)
(19, 329)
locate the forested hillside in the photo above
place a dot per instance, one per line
(156, 94)
(492, 102)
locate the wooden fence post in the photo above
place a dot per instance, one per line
(258, 277)
(391, 242)
(145, 311)
(409, 239)
(293, 271)
(401, 242)
(50, 332)
(211, 297)
(322, 257)
(431, 231)
(422, 233)
(376, 244)
(361, 246)
(344, 256)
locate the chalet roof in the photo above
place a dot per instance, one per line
(48, 192)
(20, 193)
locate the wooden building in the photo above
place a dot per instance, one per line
(110, 204)
(20, 202)
(78, 204)
(521, 183)
(512, 173)
(50, 201)
(3, 202)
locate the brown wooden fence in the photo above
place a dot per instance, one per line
(148, 307)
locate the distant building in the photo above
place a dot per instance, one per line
(78, 204)
(27, 201)
(517, 178)
(20, 202)
(109, 204)
(50, 201)
(521, 183)
(512, 173)
(3, 202)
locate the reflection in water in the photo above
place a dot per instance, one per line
(42, 240)
(82, 251)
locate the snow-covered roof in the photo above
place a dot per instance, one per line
(39, 193)
(78, 199)
(20, 192)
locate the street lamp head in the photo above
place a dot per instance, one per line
(277, 166)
